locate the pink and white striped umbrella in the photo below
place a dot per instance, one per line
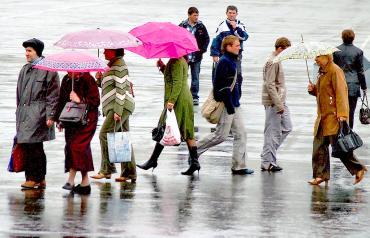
(98, 39)
(71, 61)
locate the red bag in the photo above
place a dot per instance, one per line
(16, 163)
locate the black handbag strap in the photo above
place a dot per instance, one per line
(344, 129)
(364, 101)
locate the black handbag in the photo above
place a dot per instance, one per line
(158, 132)
(347, 140)
(364, 111)
(74, 113)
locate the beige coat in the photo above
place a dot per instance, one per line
(273, 88)
(332, 99)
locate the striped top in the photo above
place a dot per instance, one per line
(115, 86)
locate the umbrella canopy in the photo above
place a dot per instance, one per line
(163, 40)
(305, 51)
(98, 39)
(71, 61)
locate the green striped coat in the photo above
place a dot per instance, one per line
(115, 86)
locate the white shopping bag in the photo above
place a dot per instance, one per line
(119, 147)
(172, 133)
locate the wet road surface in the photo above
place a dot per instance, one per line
(165, 203)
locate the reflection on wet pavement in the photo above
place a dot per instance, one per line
(165, 203)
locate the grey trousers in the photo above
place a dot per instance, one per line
(227, 123)
(277, 128)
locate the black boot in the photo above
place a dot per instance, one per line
(194, 163)
(153, 161)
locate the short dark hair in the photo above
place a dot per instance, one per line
(231, 8)
(192, 10)
(282, 42)
(348, 35)
(119, 52)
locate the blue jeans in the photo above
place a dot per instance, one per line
(195, 70)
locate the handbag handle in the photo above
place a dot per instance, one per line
(115, 123)
(363, 99)
(344, 126)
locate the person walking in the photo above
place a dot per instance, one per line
(177, 97)
(37, 99)
(78, 156)
(277, 117)
(227, 90)
(332, 108)
(230, 26)
(118, 104)
(350, 60)
(197, 28)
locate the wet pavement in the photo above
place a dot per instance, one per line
(165, 203)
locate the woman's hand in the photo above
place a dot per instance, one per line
(116, 117)
(170, 105)
(74, 98)
(310, 87)
(98, 75)
(342, 119)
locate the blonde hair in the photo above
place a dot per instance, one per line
(228, 40)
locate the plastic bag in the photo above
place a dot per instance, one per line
(172, 134)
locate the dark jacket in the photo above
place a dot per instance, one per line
(37, 99)
(202, 37)
(225, 29)
(223, 79)
(350, 60)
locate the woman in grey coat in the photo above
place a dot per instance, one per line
(37, 99)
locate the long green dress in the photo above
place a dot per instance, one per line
(176, 91)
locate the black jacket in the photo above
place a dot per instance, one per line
(202, 37)
(225, 73)
(350, 60)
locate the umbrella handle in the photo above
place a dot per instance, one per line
(308, 73)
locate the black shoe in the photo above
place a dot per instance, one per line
(84, 190)
(195, 102)
(193, 161)
(68, 186)
(153, 161)
(275, 168)
(242, 171)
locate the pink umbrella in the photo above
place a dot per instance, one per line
(71, 61)
(163, 40)
(98, 39)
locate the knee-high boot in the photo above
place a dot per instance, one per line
(194, 163)
(153, 161)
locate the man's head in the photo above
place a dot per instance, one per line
(348, 35)
(193, 14)
(113, 53)
(230, 44)
(231, 12)
(281, 44)
(323, 60)
(34, 48)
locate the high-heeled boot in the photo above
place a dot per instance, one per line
(194, 163)
(153, 161)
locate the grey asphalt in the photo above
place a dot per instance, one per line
(165, 203)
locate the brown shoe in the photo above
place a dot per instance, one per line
(100, 176)
(124, 179)
(317, 181)
(30, 185)
(360, 175)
